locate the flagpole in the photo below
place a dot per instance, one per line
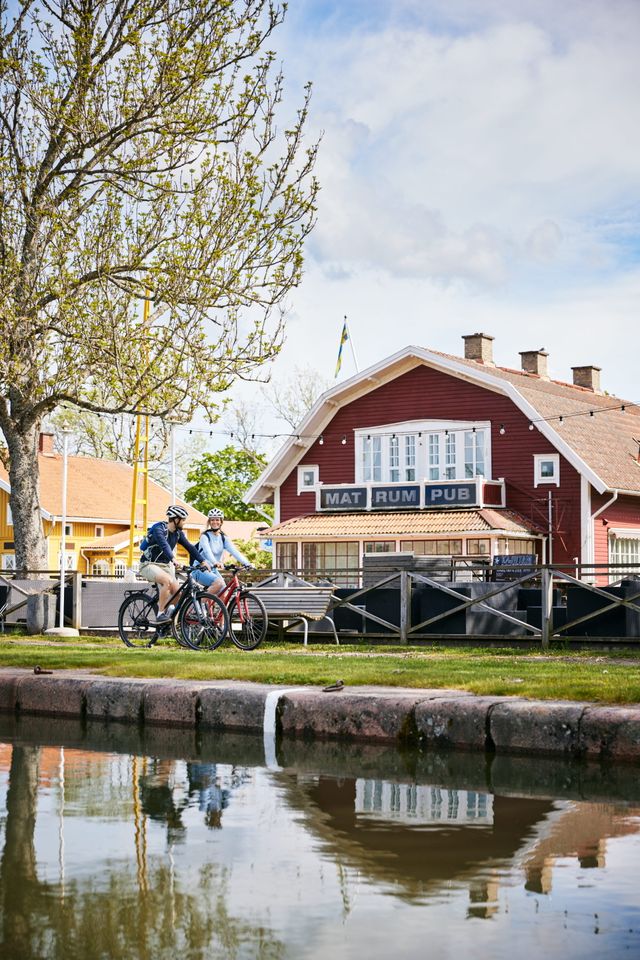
(353, 352)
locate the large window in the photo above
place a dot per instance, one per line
(433, 548)
(625, 549)
(431, 450)
(287, 556)
(337, 560)
(512, 546)
(371, 458)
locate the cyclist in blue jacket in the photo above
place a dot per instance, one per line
(157, 562)
(212, 545)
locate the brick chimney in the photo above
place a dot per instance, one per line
(588, 377)
(535, 361)
(45, 445)
(479, 346)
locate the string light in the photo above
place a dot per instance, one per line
(558, 418)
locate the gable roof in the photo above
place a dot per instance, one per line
(98, 490)
(601, 448)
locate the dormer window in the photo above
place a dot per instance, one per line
(431, 450)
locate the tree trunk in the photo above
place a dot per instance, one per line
(18, 875)
(28, 533)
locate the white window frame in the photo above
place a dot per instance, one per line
(68, 529)
(99, 530)
(8, 561)
(305, 469)
(98, 568)
(9, 516)
(451, 441)
(370, 457)
(626, 537)
(538, 460)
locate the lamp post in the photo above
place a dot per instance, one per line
(61, 630)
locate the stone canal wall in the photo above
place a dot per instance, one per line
(383, 715)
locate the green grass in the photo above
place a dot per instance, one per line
(557, 675)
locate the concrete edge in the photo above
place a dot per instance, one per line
(428, 718)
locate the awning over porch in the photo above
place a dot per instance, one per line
(416, 524)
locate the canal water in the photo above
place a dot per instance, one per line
(117, 843)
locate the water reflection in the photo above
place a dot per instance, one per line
(117, 843)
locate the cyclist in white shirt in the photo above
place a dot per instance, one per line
(212, 545)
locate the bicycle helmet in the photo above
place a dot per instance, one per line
(176, 512)
(215, 514)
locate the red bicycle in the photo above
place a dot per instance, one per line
(248, 619)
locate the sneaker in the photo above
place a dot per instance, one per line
(164, 617)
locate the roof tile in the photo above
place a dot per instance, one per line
(420, 523)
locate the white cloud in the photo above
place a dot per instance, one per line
(434, 139)
(480, 170)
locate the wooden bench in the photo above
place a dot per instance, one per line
(297, 604)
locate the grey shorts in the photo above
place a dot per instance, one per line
(150, 571)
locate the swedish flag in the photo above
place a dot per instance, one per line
(343, 340)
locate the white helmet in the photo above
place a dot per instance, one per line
(176, 512)
(215, 514)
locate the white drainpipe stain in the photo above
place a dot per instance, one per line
(270, 708)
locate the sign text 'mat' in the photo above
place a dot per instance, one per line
(343, 498)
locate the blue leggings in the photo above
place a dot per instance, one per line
(206, 577)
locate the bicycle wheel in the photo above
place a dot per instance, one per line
(248, 620)
(137, 620)
(203, 622)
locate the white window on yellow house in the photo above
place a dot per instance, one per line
(100, 568)
(9, 516)
(8, 561)
(120, 568)
(99, 530)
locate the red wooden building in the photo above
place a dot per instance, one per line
(457, 457)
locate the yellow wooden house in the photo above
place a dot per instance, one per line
(97, 516)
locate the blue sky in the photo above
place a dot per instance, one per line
(480, 170)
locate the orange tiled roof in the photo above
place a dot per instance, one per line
(114, 542)
(605, 441)
(99, 490)
(420, 523)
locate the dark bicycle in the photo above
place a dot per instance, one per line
(199, 622)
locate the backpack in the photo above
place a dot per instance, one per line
(146, 542)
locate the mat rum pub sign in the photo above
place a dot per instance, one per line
(396, 496)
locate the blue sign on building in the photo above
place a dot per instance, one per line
(343, 498)
(395, 497)
(450, 495)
